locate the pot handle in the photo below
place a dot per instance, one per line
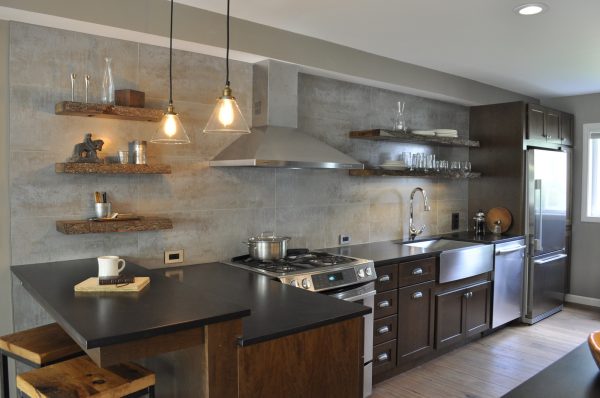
(267, 234)
(246, 243)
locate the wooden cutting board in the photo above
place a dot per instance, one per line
(499, 213)
(91, 285)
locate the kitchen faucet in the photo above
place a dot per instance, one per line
(411, 228)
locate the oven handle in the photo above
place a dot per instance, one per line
(355, 294)
(361, 296)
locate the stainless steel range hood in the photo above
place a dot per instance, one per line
(278, 143)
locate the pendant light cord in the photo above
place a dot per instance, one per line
(171, 58)
(227, 52)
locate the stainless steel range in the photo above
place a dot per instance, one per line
(342, 277)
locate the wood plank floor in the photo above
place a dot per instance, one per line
(492, 366)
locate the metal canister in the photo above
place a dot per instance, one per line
(137, 152)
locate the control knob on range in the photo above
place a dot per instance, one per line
(294, 283)
(306, 283)
(361, 273)
(368, 271)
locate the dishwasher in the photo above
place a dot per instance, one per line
(509, 268)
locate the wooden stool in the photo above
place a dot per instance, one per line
(37, 347)
(81, 378)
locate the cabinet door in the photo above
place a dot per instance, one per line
(415, 321)
(387, 278)
(567, 122)
(552, 126)
(535, 122)
(477, 314)
(386, 304)
(449, 318)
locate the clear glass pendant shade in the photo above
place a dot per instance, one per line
(170, 130)
(227, 117)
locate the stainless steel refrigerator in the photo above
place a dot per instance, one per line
(546, 215)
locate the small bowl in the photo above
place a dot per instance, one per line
(594, 344)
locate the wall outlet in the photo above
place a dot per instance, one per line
(173, 256)
(455, 221)
(345, 239)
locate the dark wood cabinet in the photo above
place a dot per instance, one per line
(386, 304)
(535, 122)
(549, 125)
(461, 313)
(417, 271)
(567, 127)
(384, 329)
(415, 321)
(387, 278)
(384, 357)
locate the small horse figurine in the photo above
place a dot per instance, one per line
(85, 152)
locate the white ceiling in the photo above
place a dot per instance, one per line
(553, 54)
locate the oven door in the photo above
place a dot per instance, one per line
(365, 295)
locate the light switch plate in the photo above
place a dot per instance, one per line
(173, 256)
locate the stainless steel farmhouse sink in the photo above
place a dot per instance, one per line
(458, 260)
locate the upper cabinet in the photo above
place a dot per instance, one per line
(549, 125)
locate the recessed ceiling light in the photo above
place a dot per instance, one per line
(531, 9)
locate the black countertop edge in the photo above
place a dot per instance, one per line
(244, 342)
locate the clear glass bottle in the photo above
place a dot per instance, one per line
(108, 86)
(399, 120)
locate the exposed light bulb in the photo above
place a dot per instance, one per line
(170, 126)
(226, 112)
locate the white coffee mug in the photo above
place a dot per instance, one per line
(109, 266)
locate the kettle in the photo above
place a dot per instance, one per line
(479, 222)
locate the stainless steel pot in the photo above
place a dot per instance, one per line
(267, 246)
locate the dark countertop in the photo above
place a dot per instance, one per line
(100, 319)
(388, 252)
(208, 293)
(276, 309)
(574, 375)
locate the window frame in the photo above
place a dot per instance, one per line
(588, 130)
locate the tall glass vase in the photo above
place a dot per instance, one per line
(108, 86)
(399, 119)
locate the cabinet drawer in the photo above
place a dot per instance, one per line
(384, 329)
(386, 304)
(384, 357)
(387, 278)
(417, 271)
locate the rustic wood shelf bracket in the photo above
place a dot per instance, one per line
(78, 227)
(111, 168)
(70, 108)
(399, 136)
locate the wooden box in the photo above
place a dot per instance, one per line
(133, 98)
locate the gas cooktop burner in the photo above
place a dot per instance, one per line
(296, 262)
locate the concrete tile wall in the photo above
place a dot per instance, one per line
(213, 209)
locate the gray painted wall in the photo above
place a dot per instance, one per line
(196, 25)
(585, 262)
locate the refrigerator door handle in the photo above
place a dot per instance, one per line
(512, 249)
(537, 209)
(550, 259)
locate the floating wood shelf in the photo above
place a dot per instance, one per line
(414, 173)
(399, 136)
(108, 111)
(77, 227)
(111, 168)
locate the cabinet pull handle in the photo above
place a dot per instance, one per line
(383, 357)
(468, 295)
(417, 295)
(383, 330)
(383, 304)
(384, 278)
(417, 271)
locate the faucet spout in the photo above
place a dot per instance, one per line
(414, 232)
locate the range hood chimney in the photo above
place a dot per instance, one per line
(277, 142)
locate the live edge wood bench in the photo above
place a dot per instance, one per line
(37, 347)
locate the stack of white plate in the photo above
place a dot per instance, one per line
(429, 133)
(393, 165)
(449, 133)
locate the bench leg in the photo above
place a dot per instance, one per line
(151, 392)
(4, 369)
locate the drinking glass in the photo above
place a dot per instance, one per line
(406, 157)
(465, 168)
(454, 167)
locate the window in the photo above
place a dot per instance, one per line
(590, 202)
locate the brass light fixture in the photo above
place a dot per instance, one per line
(170, 130)
(227, 117)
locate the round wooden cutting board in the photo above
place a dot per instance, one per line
(499, 213)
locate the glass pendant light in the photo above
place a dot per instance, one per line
(227, 117)
(170, 130)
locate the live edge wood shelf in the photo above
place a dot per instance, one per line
(398, 136)
(108, 111)
(414, 173)
(111, 168)
(78, 227)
